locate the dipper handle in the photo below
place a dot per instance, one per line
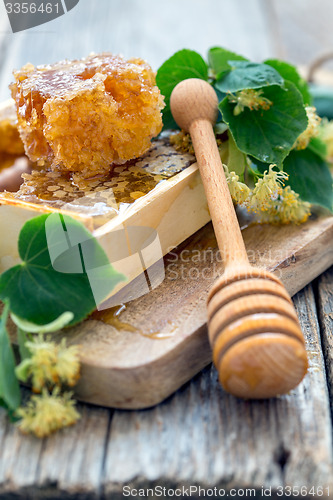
(194, 108)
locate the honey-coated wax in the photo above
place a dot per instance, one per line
(83, 115)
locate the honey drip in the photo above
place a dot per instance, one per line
(111, 317)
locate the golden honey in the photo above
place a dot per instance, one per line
(84, 115)
(112, 315)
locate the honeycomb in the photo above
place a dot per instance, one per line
(101, 198)
(10, 141)
(83, 115)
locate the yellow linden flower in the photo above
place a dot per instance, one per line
(182, 142)
(270, 200)
(310, 131)
(68, 363)
(41, 365)
(292, 209)
(266, 190)
(288, 208)
(46, 413)
(249, 98)
(238, 190)
(50, 364)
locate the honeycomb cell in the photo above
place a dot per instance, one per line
(101, 197)
(84, 115)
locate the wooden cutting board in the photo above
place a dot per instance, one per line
(146, 350)
(159, 341)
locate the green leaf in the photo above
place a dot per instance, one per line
(219, 60)
(59, 323)
(60, 261)
(9, 387)
(319, 147)
(11, 414)
(290, 73)
(22, 338)
(22, 370)
(310, 177)
(268, 135)
(182, 65)
(258, 165)
(248, 75)
(236, 159)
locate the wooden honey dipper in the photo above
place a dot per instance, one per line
(258, 346)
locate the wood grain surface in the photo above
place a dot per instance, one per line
(199, 435)
(160, 340)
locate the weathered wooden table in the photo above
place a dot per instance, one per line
(200, 436)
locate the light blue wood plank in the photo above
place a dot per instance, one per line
(140, 28)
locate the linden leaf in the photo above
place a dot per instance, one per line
(236, 159)
(182, 65)
(219, 60)
(60, 259)
(59, 323)
(248, 75)
(268, 135)
(10, 396)
(290, 73)
(310, 177)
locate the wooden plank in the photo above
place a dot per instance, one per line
(303, 29)
(69, 463)
(298, 30)
(124, 366)
(203, 436)
(4, 38)
(219, 442)
(310, 462)
(297, 261)
(19, 458)
(140, 29)
(200, 436)
(137, 29)
(325, 314)
(82, 452)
